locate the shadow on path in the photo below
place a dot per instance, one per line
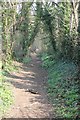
(26, 104)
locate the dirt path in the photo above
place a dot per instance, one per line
(27, 104)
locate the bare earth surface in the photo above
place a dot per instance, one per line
(27, 104)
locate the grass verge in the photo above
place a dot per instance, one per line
(6, 97)
(62, 88)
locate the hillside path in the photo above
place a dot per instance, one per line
(27, 104)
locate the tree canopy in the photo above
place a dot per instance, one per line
(58, 21)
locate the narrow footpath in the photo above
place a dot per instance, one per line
(30, 98)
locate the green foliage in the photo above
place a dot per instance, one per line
(26, 60)
(47, 60)
(55, 18)
(6, 97)
(61, 87)
(9, 68)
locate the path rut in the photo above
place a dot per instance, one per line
(26, 104)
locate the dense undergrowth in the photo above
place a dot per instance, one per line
(62, 88)
(6, 97)
(24, 60)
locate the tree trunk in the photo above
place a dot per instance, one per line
(78, 42)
